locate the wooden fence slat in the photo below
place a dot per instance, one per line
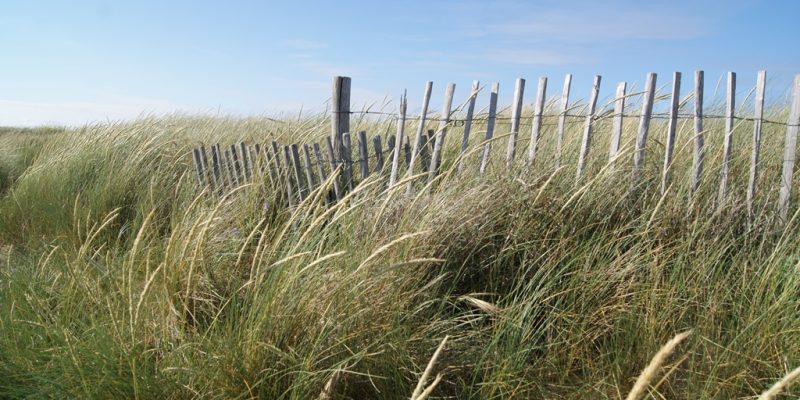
(363, 154)
(426, 99)
(347, 159)
(247, 163)
(730, 111)
(390, 143)
(216, 161)
(644, 126)
(541, 93)
(332, 162)
(407, 150)
(672, 126)
(311, 177)
(586, 141)
(401, 124)
(320, 163)
(468, 123)
(756, 148)
(491, 119)
(340, 120)
(424, 157)
(516, 115)
(699, 141)
(197, 167)
(264, 157)
(444, 120)
(302, 187)
(206, 168)
(229, 161)
(790, 147)
(287, 157)
(376, 144)
(619, 113)
(562, 118)
(237, 167)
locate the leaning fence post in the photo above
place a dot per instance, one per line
(332, 161)
(619, 113)
(401, 124)
(310, 176)
(538, 109)
(212, 180)
(363, 154)
(644, 126)
(757, 122)
(232, 170)
(671, 127)
(216, 162)
(516, 114)
(468, 123)
(197, 167)
(587, 130)
(562, 117)
(302, 187)
(491, 118)
(426, 99)
(790, 146)
(347, 160)
(444, 120)
(320, 163)
(376, 143)
(246, 161)
(287, 157)
(726, 146)
(697, 161)
(340, 118)
(424, 157)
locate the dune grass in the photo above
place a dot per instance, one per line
(120, 278)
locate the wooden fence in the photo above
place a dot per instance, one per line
(421, 155)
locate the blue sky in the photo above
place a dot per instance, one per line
(81, 61)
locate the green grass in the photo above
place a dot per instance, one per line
(119, 278)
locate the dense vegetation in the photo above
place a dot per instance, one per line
(121, 278)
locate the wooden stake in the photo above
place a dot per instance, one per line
(492, 117)
(562, 117)
(671, 128)
(726, 146)
(376, 144)
(401, 123)
(754, 158)
(538, 110)
(790, 147)
(697, 162)
(363, 154)
(619, 113)
(426, 98)
(444, 120)
(311, 178)
(468, 123)
(332, 161)
(587, 130)
(516, 114)
(644, 126)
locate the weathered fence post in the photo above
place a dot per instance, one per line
(216, 161)
(644, 126)
(246, 162)
(363, 154)
(232, 166)
(401, 124)
(757, 122)
(516, 115)
(340, 120)
(562, 118)
(237, 168)
(206, 168)
(302, 188)
(587, 130)
(671, 127)
(347, 160)
(790, 147)
(424, 157)
(444, 120)
(320, 163)
(310, 176)
(468, 123)
(197, 166)
(619, 114)
(332, 161)
(426, 99)
(538, 110)
(490, 121)
(287, 157)
(730, 109)
(376, 143)
(697, 161)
